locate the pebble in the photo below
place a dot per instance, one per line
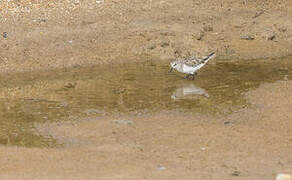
(207, 28)
(247, 37)
(283, 177)
(258, 14)
(272, 37)
(181, 18)
(160, 167)
(269, 35)
(5, 34)
(70, 85)
(93, 111)
(122, 121)
(235, 173)
(199, 36)
(164, 44)
(99, 1)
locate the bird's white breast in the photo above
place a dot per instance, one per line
(188, 69)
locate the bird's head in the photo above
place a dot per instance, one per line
(172, 65)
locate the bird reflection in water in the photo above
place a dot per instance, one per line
(189, 91)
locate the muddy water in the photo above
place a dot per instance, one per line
(65, 94)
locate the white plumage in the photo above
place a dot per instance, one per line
(190, 65)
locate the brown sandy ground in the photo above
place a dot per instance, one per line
(253, 143)
(46, 34)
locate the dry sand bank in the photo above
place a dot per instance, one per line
(57, 34)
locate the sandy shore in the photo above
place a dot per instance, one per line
(252, 143)
(38, 35)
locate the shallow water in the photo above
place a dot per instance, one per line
(62, 95)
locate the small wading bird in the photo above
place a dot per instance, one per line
(190, 65)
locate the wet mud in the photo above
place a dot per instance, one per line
(125, 88)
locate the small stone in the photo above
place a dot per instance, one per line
(199, 36)
(152, 47)
(5, 46)
(269, 35)
(5, 34)
(42, 20)
(178, 52)
(247, 37)
(258, 14)
(70, 85)
(207, 28)
(160, 167)
(167, 32)
(235, 173)
(272, 37)
(92, 111)
(283, 177)
(63, 104)
(122, 121)
(282, 29)
(164, 44)
(99, 1)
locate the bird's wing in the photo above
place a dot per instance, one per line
(194, 62)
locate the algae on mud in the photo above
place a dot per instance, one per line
(59, 95)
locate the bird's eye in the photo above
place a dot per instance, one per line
(174, 65)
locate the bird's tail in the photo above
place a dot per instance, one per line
(207, 58)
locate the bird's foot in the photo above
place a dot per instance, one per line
(193, 76)
(187, 76)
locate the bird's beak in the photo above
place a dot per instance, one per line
(170, 69)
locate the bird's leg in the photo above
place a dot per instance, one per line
(187, 76)
(193, 76)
